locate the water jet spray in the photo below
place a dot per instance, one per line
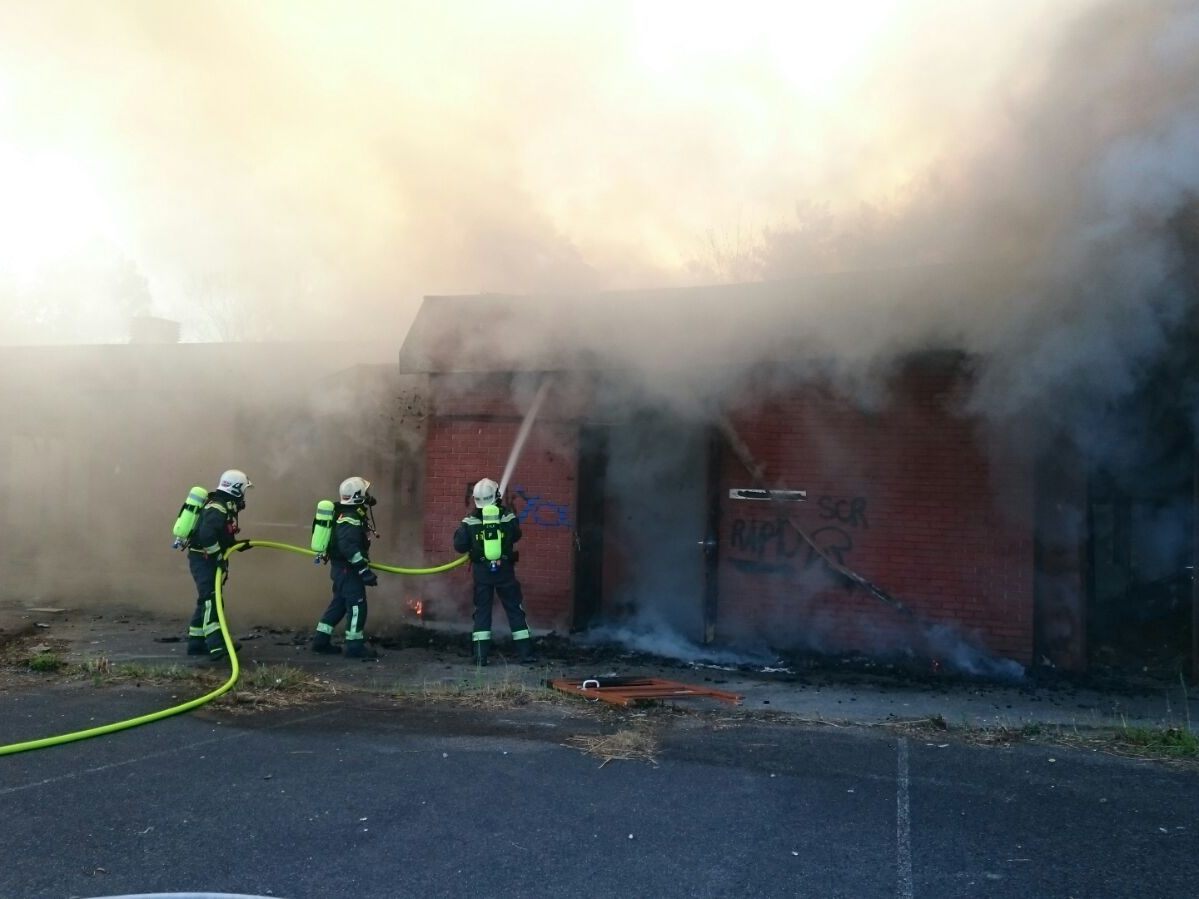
(523, 434)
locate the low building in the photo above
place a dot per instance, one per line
(641, 508)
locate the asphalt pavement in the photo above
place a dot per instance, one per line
(363, 796)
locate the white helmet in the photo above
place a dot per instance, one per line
(486, 492)
(353, 491)
(235, 483)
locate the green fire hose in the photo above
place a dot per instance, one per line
(235, 668)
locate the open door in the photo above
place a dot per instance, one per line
(1141, 578)
(645, 544)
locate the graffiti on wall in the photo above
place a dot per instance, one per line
(539, 511)
(850, 512)
(773, 547)
(531, 508)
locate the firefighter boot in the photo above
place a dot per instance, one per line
(524, 651)
(481, 649)
(196, 646)
(215, 653)
(322, 644)
(357, 649)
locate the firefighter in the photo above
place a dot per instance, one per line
(349, 563)
(215, 531)
(490, 536)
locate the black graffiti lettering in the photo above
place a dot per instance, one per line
(831, 541)
(850, 511)
(759, 538)
(769, 544)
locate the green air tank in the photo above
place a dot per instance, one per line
(322, 527)
(493, 541)
(189, 515)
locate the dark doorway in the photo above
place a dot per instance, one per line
(644, 545)
(1140, 579)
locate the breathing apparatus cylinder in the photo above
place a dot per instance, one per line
(189, 515)
(493, 542)
(322, 529)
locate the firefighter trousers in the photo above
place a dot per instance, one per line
(487, 584)
(205, 625)
(348, 602)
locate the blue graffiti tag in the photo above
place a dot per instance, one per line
(543, 513)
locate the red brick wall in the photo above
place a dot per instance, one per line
(908, 498)
(469, 437)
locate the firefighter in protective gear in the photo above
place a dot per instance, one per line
(349, 564)
(490, 535)
(216, 531)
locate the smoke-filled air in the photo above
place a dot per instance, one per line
(1015, 181)
(258, 172)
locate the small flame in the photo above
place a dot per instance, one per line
(417, 607)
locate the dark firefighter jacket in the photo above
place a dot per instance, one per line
(469, 536)
(351, 543)
(217, 529)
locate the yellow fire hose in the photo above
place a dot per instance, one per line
(235, 671)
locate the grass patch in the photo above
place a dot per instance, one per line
(1168, 741)
(272, 686)
(97, 666)
(24, 652)
(275, 687)
(279, 678)
(634, 744)
(1178, 744)
(102, 670)
(140, 671)
(481, 692)
(47, 662)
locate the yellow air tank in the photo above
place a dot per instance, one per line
(322, 528)
(189, 515)
(493, 542)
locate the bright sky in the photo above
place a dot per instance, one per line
(276, 155)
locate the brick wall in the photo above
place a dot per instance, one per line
(470, 434)
(907, 496)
